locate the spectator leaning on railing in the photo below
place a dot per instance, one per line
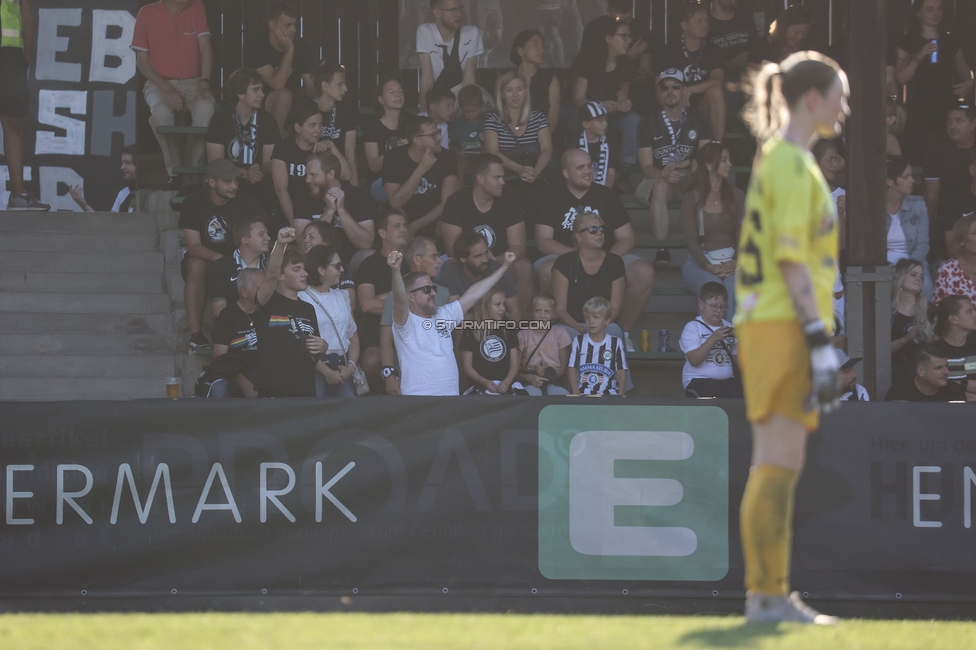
(422, 331)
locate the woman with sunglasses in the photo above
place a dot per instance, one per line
(603, 72)
(586, 272)
(337, 326)
(908, 218)
(711, 212)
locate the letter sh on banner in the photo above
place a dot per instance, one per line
(469, 496)
(82, 101)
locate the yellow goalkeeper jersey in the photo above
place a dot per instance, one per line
(790, 217)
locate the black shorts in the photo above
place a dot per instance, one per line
(15, 98)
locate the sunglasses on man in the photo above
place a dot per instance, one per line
(427, 289)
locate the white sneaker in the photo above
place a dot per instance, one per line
(628, 346)
(763, 608)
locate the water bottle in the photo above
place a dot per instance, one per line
(935, 55)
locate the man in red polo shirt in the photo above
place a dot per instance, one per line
(173, 52)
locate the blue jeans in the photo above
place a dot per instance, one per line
(695, 278)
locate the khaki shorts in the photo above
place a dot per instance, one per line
(643, 191)
(775, 363)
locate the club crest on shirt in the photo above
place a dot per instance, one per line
(488, 233)
(424, 186)
(607, 355)
(216, 230)
(493, 348)
(569, 219)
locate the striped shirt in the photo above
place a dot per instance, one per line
(958, 355)
(597, 364)
(508, 140)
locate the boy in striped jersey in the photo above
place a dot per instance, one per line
(597, 362)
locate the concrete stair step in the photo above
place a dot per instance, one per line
(84, 303)
(86, 344)
(37, 281)
(66, 366)
(81, 222)
(93, 323)
(31, 389)
(75, 261)
(85, 242)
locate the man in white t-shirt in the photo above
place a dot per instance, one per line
(853, 391)
(422, 331)
(710, 348)
(448, 52)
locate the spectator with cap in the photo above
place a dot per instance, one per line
(666, 143)
(173, 52)
(207, 218)
(125, 200)
(847, 377)
(930, 382)
(253, 245)
(700, 63)
(594, 141)
(422, 330)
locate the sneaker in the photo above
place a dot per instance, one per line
(763, 608)
(198, 340)
(27, 202)
(628, 346)
(662, 260)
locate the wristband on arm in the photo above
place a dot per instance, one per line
(815, 333)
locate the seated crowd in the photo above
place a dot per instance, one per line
(505, 204)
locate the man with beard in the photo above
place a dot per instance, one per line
(207, 218)
(348, 209)
(253, 244)
(422, 331)
(419, 256)
(125, 201)
(555, 234)
(666, 143)
(486, 209)
(472, 262)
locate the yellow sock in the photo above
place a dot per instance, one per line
(766, 525)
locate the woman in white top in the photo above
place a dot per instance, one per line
(908, 218)
(336, 323)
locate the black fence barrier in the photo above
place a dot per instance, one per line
(468, 496)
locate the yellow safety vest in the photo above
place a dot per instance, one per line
(11, 33)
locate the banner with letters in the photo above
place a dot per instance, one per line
(83, 102)
(469, 495)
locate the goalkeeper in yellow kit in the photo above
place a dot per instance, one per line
(786, 271)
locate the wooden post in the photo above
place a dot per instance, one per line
(868, 281)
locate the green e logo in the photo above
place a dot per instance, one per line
(633, 492)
